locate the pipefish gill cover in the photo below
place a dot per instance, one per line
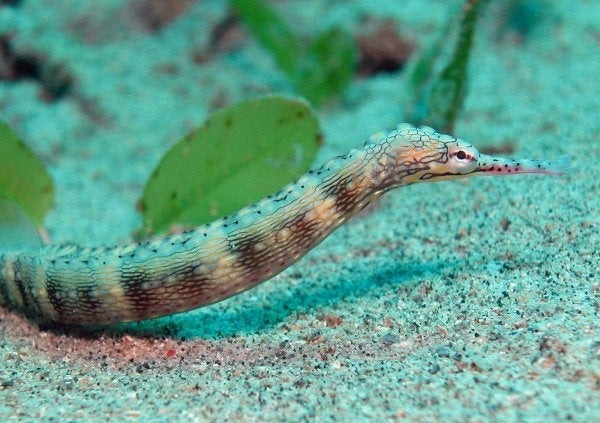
(270, 135)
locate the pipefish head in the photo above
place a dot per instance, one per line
(458, 159)
(423, 155)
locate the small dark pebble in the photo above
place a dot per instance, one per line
(389, 339)
(434, 368)
(444, 351)
(6, 383)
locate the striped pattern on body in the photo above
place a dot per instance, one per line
(75, 285)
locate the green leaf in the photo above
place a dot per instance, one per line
(448, 92)
(16, 228)
(272, 31)
(423, 70)
(23, 179)
(320, 70)
(241, 154)
(328, 66)
(440, 96)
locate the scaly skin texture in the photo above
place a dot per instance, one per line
(80, 286)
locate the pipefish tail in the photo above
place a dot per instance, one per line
(180, 272)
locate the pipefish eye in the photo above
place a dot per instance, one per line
(463, 158)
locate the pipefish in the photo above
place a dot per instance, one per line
(179, 272)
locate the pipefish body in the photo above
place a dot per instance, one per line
(180, 272)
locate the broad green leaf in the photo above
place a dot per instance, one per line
(23, 179)
(241, 154)
(16, 228)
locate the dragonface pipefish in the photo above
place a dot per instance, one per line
(180, 272)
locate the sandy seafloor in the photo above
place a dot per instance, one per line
(461, 301)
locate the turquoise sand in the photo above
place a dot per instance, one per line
(456, 301)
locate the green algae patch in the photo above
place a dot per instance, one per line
(242, 154)
(23, 178)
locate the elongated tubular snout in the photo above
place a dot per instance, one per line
(500, 166)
